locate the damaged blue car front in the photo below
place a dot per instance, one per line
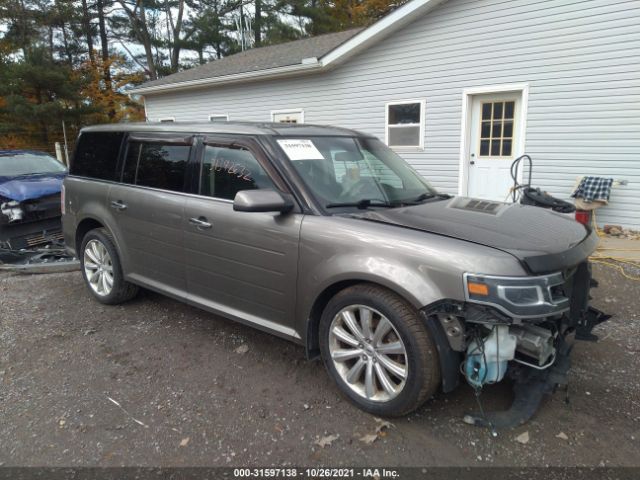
(30, 186)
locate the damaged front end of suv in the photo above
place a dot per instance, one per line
(517, 321)
(30, 191)
(521, 328)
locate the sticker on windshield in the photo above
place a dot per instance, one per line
(298, 149)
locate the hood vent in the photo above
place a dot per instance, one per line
(476, 205)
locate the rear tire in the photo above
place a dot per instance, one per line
(102, 270)
(386, 374)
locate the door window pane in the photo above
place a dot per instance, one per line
(508, 109)
(495, 147)
(156, 165)
(226, 171)
(496, 129)
(484, 148)
(506, 148)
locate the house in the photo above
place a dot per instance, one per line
(459, 88)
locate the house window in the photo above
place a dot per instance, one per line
(167, 119)
(288, 116)
(405, 124)
(219, 118)
(496, 129)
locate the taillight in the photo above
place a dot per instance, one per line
(62, 200)
(583, 217)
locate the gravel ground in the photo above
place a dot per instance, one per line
(158, 383)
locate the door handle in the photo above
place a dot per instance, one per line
(200, 223)
(118, 205)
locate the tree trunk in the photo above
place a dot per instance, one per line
(65, 41)
(86, 26)
(257, 24)
(145, 38)
(104, 44)
(141, 33)
(177, 31)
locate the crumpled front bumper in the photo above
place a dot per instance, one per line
(531, 384)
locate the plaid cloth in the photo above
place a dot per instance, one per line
(593, 188)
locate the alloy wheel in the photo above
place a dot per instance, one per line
(368, 353)
(98, 267)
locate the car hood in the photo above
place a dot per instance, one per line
(542, 239)
(28, 187)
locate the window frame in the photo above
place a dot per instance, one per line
(219, 115)
(116, 174)
(249, 144)
(167, 138)
(288, 110)
(421, 124)
(166, 119)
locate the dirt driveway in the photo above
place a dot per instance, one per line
(195, 389)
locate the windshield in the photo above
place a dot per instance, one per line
(15, 164)
(355, 172)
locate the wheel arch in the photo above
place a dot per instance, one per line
(328, 291)
(448, 359)
(91, 222)
(85, 226)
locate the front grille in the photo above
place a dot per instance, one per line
(35, 239)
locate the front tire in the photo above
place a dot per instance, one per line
(378, 351)
(101, 269)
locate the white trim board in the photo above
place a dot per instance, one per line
(465, 123)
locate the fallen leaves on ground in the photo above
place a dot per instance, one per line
(523, 438)
(184, 442)
(326, 441)
(369, 439)
(242, 349)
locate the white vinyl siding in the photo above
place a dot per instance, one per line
(581, 60)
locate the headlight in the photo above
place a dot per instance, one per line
(521, 297)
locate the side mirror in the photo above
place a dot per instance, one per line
(261, 200)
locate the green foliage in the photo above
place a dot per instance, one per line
(72, 60)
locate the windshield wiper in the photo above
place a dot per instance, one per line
(429, 195)
(361, 204)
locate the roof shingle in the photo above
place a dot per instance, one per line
(263, 58)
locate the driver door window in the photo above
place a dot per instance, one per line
(227, 171)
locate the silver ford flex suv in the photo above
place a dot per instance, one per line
(326, 237)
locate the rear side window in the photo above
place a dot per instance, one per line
(226, 171)
(156, 165)
(97, 155)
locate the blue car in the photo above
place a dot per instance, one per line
(30, 186)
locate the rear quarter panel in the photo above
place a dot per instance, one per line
(85, 199)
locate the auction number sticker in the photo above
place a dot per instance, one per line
(300, 149)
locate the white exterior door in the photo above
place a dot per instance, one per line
(494, 141)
